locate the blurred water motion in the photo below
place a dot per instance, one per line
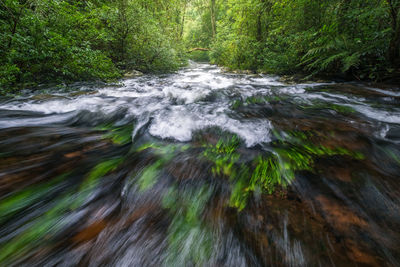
(201, 168)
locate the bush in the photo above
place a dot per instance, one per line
(8, 77)
(56, 41)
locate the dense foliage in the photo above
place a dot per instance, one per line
(356, 37)
(65, 40)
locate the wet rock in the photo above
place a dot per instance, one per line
(292, 79)
(89, 232)
(339, 216)
(183, 168)
(357, 90)
(80, 93)
(132, 74)
(44, 97)
(243, 72)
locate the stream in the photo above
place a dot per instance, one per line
(201, 168)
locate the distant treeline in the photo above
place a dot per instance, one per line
(66, 40)
(360, 38)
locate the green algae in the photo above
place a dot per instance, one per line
(164, 154)
(190, 238)
(42, 228)
(93, 178)
(39, 231)
(149, 176)
(20, 200)
(346, 110)
(119, 135)
(223, 154)
(291, 152)
(256, 100)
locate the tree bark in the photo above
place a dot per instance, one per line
(183, 19)
(213, 19)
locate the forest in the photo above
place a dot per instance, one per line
(229, 133)
(45, 41)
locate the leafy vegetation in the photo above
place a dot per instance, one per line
(164, 153)
(269, 172)
(266, 172)
(190, 240)
(357, 38)
(45, 41)
(21, 200)
(44, 226)
(119, 135)
(338, 108)
(223, 154)
(53, 41)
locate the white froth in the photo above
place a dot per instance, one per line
(151, 92)
(180, 123)
(379, 115)
(59, 105)
(386, 92)
(267, 80)
(187, 96)
(176, 105)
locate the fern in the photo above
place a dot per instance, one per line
(332, 55)
(353, 60)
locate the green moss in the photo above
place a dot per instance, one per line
(147, 146)
(92, 179)
(190, 239)
(223, 155)
(163, 149)
(38, 232)
(291, 152)
(164, 153)
(236, 104)
(149, 176)
(255, 100)
(100, 170)
(275, 98)
(119, 135)
(338, 108)
(268, 174)
(26, 197)
(240, 188)
(41, 229)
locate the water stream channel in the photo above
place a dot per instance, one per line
(201, 168)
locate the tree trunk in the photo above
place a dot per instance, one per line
(394, 49)
(394, 46)
(213, 20)
(259, 27)
(13, 31)
(183, 19)
(197, 49)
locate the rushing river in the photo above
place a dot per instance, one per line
(201, 168)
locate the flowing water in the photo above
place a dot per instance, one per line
(201, 168)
